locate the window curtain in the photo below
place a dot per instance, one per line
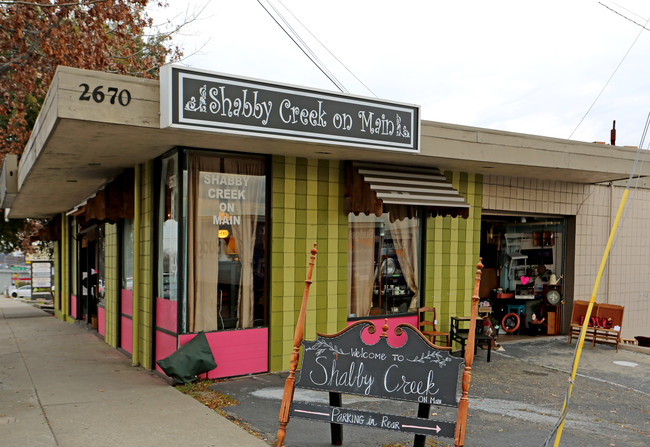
(249, 209)
(361, 258)
(202, 250)
(405, 238)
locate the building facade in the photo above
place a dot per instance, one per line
(167, 223)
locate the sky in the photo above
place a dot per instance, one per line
(557, 68)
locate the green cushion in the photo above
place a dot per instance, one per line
(193, 358)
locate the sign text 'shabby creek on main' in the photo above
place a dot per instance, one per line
(223, 103)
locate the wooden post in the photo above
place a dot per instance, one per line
(336, 430)
(461, 422)
(295, 354)
(424, 411)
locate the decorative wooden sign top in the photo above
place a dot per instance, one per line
(414, 372)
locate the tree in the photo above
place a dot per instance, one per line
(37, 36)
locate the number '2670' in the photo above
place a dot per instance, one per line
(112, 94)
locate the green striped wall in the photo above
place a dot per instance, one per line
(57, 277)
(307, 208)
(111, 278)
(453, 246)
(146, 266)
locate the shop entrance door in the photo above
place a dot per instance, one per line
(88, 278)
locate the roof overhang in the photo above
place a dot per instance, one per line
(80, 143)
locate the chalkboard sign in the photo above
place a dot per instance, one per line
(414, 372)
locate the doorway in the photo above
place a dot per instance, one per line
(524, 258)
(88, 287)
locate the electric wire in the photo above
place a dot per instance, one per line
(628, 10)
(327, 49)
(304, 48)
(624, 16)
(567, 397)
(610, 78)
(314, 56)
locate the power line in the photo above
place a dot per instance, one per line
(327, 49)
(304, 47)
(612, 76)
(624, 16)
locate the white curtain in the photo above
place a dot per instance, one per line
(405, 238)
(203, 252)
(249, 208)
(361, 260)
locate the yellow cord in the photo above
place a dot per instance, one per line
(585, 324)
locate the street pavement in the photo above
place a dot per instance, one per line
(61, 385)
(515, 400)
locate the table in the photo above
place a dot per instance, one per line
(460, 334)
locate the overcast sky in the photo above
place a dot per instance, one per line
(523, 66)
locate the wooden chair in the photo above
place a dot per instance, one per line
(428, 327)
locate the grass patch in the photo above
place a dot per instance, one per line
(202, 392)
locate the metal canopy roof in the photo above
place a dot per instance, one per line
(409, 185)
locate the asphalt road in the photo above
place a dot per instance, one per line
(515, 400)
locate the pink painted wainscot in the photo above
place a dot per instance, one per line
(393, 339)
(237, 352)
(166, 337)
(126, 323)
(101, 321)
(73, 306)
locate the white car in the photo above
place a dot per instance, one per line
(21, 292)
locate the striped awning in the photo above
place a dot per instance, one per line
(401, 185)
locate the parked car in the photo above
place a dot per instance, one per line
(21, 292)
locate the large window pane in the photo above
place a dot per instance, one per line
(384, 265)
(226, 236)
(127, 254)
(168, 235)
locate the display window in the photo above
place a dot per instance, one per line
(169, 209)
(127, 255)
(384, 265)
(226, 227)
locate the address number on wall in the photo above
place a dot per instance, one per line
(112, 94)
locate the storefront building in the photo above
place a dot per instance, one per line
(172, 214)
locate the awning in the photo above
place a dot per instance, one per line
(110, 204)
(371, 187)
(51, 231)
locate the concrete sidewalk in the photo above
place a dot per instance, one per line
(60, 385)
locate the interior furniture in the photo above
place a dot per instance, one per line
(428, 327)
(459, 332)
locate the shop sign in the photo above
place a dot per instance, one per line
(41, 274)
(208, 101)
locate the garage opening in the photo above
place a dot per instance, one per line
(522, 282)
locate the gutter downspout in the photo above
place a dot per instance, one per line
(135, 355)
